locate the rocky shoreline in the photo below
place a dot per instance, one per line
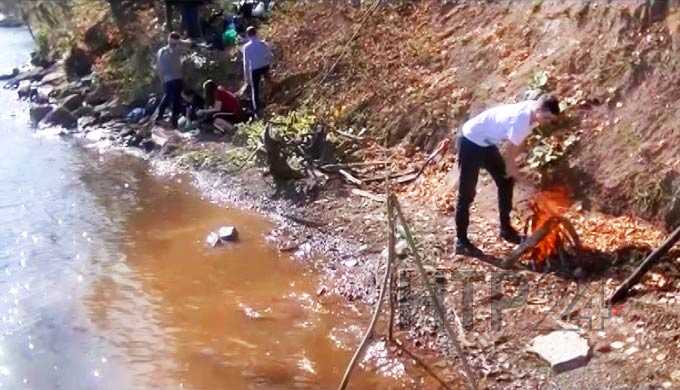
(342, 235)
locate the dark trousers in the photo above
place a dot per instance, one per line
(471, 158)
(172, 97)
(255, 88)
(190, 19)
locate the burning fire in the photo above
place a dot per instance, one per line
(548, 208)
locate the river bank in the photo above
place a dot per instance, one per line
(347, 227)
(340, 233)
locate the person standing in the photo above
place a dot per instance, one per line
(170, 72)
(257, 58)
(478, 148)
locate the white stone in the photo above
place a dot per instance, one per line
(227, 233)
(213, 239)
(563, 349)
(222, 235)
(400, 248)
(618, 344)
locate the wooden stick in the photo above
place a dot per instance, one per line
(652, 259)
(438, 307)
(350, 178)
(391, 240)
(369, 332)
(350, 136)
(529, 243)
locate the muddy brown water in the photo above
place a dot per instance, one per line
(107, 282)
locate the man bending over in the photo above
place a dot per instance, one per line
(478, 148)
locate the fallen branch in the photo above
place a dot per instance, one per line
(530, 242)
(438, 307)
(369, 332)
(350, 136)
(350, 178)
(397, 176)
(652, 259)
(442, 147)
(356, 164)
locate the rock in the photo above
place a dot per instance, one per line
(675, 375)
(10, 22)
(618, 344)
(111, 110)
(101, 94)
(222, 235)
(401, 248)
(86, 121)
(39, 112)
(227, 233)
(54, 77)
(60, 116)
(83, 111)
(8, 76)
(24, 90)
(73, 102)
(563, 349)
(78, 63)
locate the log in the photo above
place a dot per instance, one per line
(530, 242)
(652, 259)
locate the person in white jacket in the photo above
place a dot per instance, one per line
(257, 58)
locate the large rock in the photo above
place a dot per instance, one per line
(101, 94)
(8, 76)
(222, 235)
(10, 22)
(563, 349)
(73, 102)
(83, 111)
(60, 116)
(78, 63)
(39, 112)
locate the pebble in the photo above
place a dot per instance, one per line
(631, 351)
(617, 344)
(660, 357)
(675, 375)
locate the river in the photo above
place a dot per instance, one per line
(107, 283)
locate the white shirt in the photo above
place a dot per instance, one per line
(510, 122)
(256, 55)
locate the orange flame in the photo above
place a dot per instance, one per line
(546, 205)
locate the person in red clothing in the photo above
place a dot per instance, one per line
(223, 108)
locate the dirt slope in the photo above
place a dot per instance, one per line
(418, 69)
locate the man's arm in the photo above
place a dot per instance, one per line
(511, 154)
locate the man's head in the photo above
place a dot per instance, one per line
(174, 38)
(548, 109)
(251, 32)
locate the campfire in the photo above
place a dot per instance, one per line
(551, 235)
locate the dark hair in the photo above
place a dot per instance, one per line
(175, 35)
(550, 104)
(209, 88)
(251, 31)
